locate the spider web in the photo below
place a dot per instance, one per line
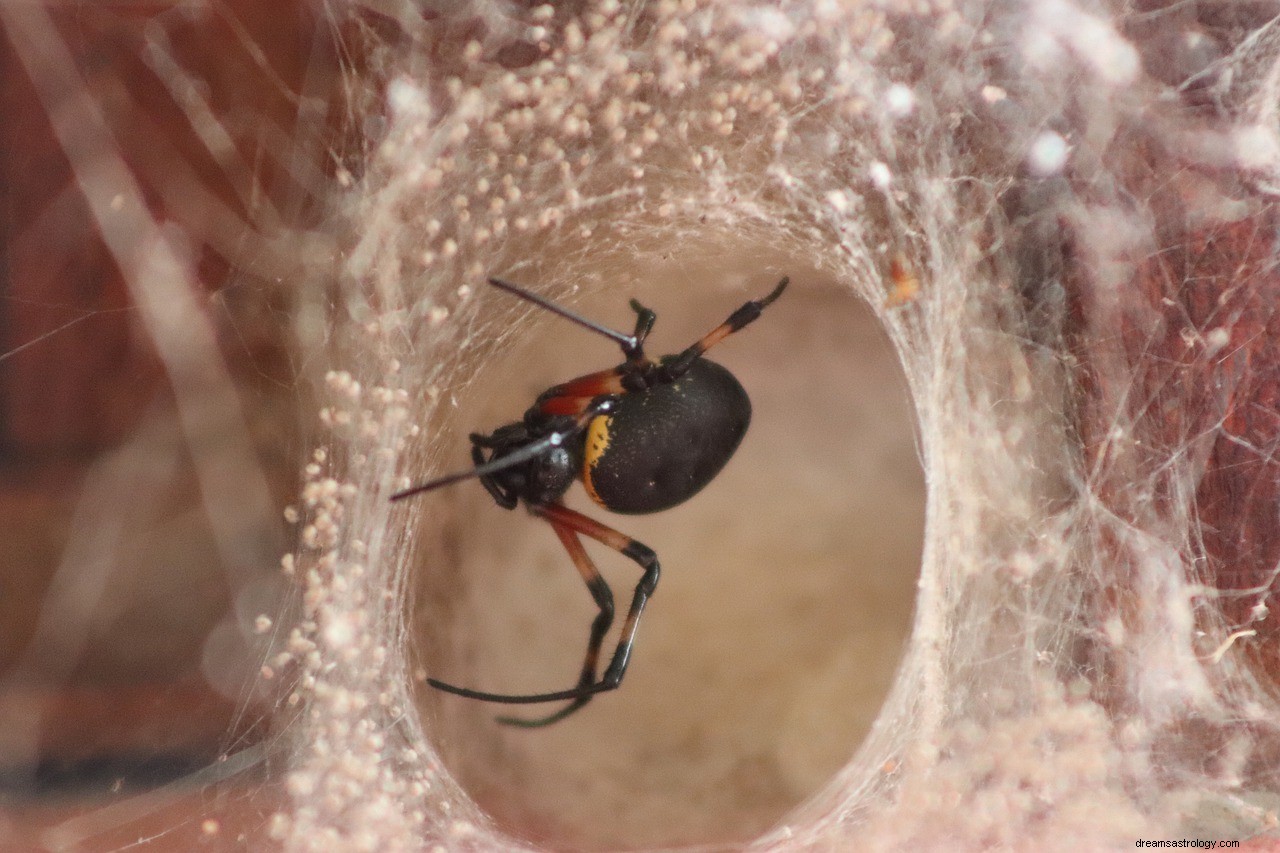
(1060, 214)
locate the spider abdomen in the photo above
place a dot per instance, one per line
(659, 447)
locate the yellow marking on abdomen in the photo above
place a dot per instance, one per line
(597, 443)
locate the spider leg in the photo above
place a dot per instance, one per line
(638, 552)
(515, 457)
(511, 435)
(576, 522)
(676, 366)
(630, 345)
(575, 396)
(645, 318)
(504, 498)
(603, 597)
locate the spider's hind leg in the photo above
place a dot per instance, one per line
(568, 524)
(603, 597)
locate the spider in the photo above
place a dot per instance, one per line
(642, 437)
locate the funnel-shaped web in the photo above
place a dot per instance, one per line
(1061, 215)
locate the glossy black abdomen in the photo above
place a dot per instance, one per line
(659, 447)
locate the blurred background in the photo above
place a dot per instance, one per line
(156, 157)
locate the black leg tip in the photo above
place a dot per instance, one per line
(776, 292)
(539, 722)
